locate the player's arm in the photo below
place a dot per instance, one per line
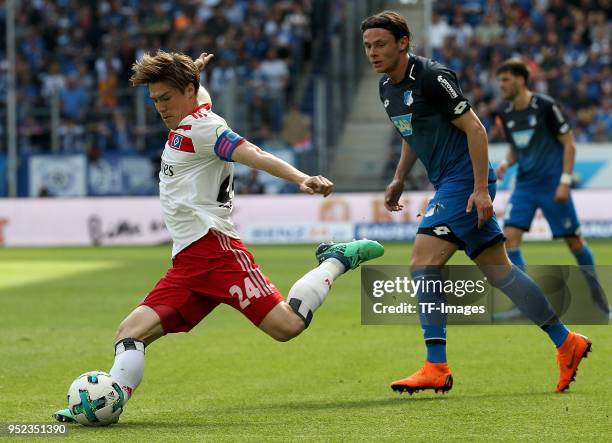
(569, 156)
(253, 156)
(201, 62)
(557, 123)
(478, 147)
(441, 87)
(394, 191)
(511, 157)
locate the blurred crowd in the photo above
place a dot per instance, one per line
(565, 43)
(78, 54)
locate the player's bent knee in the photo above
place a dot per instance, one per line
(143, 324)
(575, 243)
(514, 237)
(288, 329)
(430, 251)
(282, 324)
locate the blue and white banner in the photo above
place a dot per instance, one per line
(57, 175)
(386, 231)
(121, 175)
(267, 233)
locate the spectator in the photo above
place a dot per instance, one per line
(461, 30)
(297, 129)
(74, 99)
(489, 30)
(275, 75)
(438, 30)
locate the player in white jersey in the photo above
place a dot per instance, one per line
(210, 264)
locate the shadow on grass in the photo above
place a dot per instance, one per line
(394, 399)
(221, 419)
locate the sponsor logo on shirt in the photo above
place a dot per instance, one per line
(522, 138)
(403, 123)
(446, 85)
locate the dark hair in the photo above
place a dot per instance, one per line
(389, 20)
(515, 67)
(174, 68)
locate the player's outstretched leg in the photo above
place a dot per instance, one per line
(309, 292)
(128, 367)
(529, 298)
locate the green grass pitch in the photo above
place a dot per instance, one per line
(227, 380)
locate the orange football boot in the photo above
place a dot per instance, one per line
(436, 376)
(572, 351)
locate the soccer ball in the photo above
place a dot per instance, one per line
(95, 399)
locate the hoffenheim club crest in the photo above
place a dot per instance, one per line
(532, 120)
(408, 98)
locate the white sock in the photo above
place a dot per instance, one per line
(309, 292)
(334, 266)
(128, 368)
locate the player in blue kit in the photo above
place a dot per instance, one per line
(542, 144)
(425, 104)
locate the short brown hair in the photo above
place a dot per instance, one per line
(174, 68)
(389, 20)
(515, 67)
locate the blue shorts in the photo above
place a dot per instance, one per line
(446, 219)
(561, 217)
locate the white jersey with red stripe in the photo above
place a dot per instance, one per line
(196, 178)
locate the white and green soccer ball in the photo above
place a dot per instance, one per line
(95, 399)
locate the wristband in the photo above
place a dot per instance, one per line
(566, 179)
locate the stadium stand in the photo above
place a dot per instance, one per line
(566, 43)
(77, 55)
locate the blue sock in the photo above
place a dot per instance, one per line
(516, 257)
(557, 332)
(530, 299)
(436, 353)
(433, 324)
(585, 259)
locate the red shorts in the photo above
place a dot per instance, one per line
(214, 269)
